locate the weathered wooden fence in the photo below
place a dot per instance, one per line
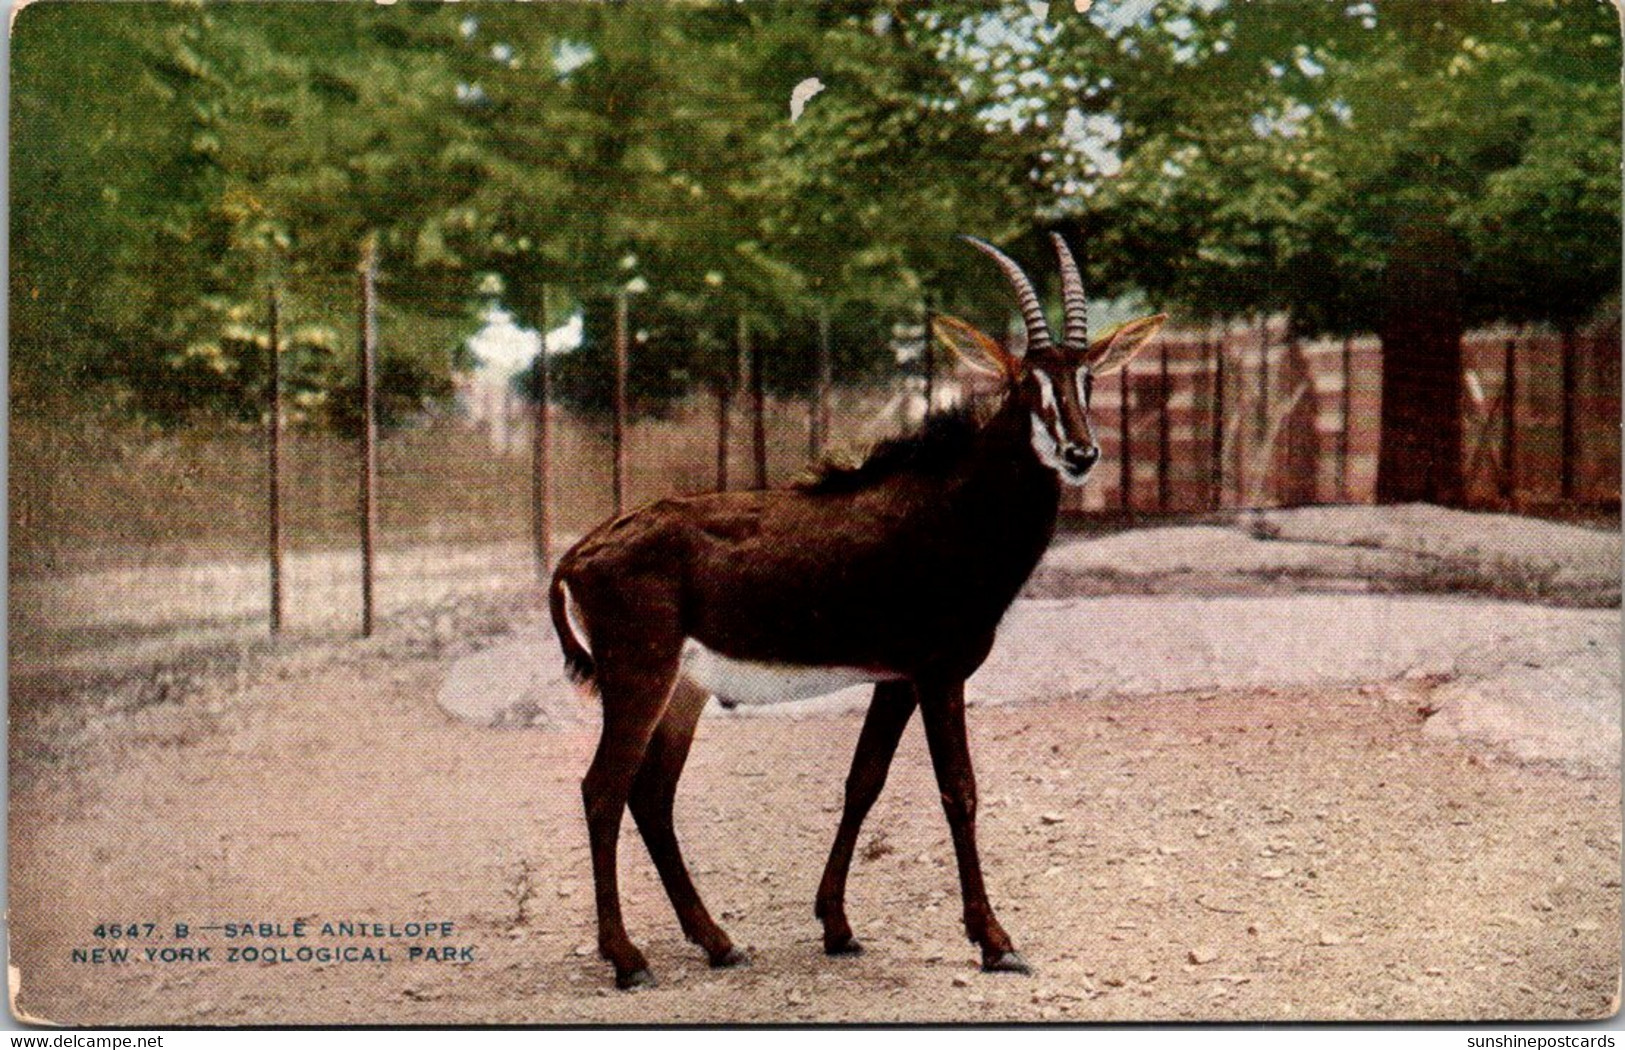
(1245, 416)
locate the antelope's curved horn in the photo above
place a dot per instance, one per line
(1077, 304)
(1031, 312)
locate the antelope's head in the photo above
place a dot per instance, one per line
(1052, 381)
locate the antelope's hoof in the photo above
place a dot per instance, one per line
(730, 959)
(846, 945)
(1009, 962)
(640, 978)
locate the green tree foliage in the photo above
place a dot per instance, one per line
(173, 159)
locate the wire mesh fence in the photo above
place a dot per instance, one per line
(171, 526)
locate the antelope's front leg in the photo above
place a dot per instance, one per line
(889, 712)
(942, 708)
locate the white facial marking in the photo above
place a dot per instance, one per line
(751, 682)
(1046, 394)
(1049, 453)
(1045, 441)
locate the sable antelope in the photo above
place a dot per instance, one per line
(896, 571)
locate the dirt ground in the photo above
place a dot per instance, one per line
(1257, 855)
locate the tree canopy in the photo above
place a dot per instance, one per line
(172, 160)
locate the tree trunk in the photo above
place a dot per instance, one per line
(1421, 334)
(758, 407)
(724, 411)
(927, 361)
(818, 411)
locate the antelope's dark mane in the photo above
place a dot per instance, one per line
(945, 438)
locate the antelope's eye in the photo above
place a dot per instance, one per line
(1086, 384)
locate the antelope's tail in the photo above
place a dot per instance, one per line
(578, 661)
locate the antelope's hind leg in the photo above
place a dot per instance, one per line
(653, 792)
(634, 682)
(883, 727)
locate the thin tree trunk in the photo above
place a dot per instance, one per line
(927, 359)
(618, 423)
(369, 427)
(758, 411)
(818, 411)
(541, 462)
(724, 407)
(274, 461)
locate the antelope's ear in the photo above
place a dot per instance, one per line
(974, 347)
(1116, 348)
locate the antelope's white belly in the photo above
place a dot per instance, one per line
(749, 682)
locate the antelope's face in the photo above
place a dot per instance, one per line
(1055, 389)
(1053, 381)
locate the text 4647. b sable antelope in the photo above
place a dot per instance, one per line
(896, 571)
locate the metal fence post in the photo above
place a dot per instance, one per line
(541, 462)
(618, 422)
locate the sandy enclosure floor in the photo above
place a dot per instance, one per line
(1225, 855)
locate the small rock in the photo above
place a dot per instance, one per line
(1051, 818)
(1330, 939)
(582, 951)
(1433, 971)
(1273, 873)
(1202, 956)
(961, 981)
(1586, 926)
(796, 997)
